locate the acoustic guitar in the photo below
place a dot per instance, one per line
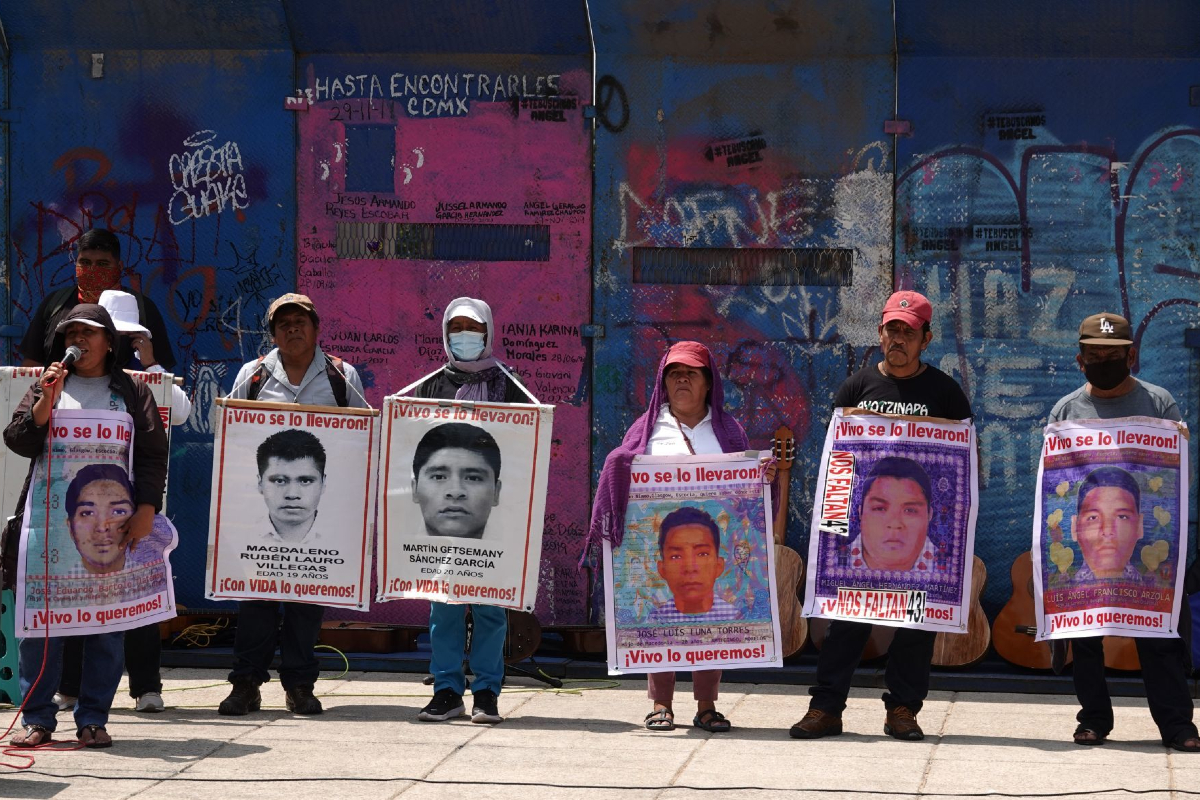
(1014, 629)
(789, 566)
(966, 649)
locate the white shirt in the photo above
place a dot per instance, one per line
(667, 437)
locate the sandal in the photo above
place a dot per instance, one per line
(34, 736)
(661, 720)
(1185, 744)
(94, 736)
(712, 721)
(1087, 736)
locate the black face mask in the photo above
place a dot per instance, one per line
(1106, 375)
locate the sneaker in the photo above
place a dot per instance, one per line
(149, 703)
(483, 708)
(901, 723)
(65, 702)
(301, 700)
(815, 725)
(242, 699)
(446, 704)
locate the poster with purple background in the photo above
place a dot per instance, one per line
(893, 527)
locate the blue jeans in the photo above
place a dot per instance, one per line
(103, 663)
(448, 636)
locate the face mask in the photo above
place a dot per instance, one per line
(466, 346)
(1105, 375)
(94, 280)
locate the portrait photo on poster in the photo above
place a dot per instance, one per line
(692, 562)
(90, 567)
(908, 522)
(1111, 536)
(294, 487)
(468, 483)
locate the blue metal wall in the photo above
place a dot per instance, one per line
(1052, 173)
(806, 88)
(98, 151)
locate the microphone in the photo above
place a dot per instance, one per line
(70, 357)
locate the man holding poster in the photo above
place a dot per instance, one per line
(894, 518)
(291, 481)
(78, 424)
(1108, 525)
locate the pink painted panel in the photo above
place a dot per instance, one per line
(489, 151)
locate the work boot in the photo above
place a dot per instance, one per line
(901, 723)
(816, 724)
(301, 700)
(242, 699)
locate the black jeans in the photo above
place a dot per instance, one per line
(261, 625)
(143, 657)
(1165, 665)
(907, 675)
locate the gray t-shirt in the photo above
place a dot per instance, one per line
(1146, 400)
(90, 393)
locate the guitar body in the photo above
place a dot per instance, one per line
(1017, 647)
(789, 578)
(877, 644)
(1120, 652)
(965, 649)
(1008, 631)
(789, 566)
(523, 636)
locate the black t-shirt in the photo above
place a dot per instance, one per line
(932, 393)
(38, 341)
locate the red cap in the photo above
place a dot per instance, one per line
(693, 354)
(912, 308)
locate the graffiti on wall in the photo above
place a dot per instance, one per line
(405, 202)
(1016, 243)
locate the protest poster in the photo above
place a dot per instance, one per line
(293, 503)
(79, 500)
(893, 525)
(692, 584)
(1109, 522)
(15, 381)
(476, 473)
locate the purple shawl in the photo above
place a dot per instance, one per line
(612, 493)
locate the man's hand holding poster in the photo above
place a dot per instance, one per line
(893, 527)
(293, 503)
(464, 501)
(1108, 542)
(79, 504)
(692, 584)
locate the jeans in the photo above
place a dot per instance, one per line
(448, 634)
(907, 675)
(103, 662)
(263, 624)
(143, 656)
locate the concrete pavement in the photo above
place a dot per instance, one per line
(589, 744)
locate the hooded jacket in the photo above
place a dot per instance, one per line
(28, 439)
(448, 383)
(612, 492)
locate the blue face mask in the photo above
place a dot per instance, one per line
(466, 346)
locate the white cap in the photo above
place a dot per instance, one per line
(123, 308)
